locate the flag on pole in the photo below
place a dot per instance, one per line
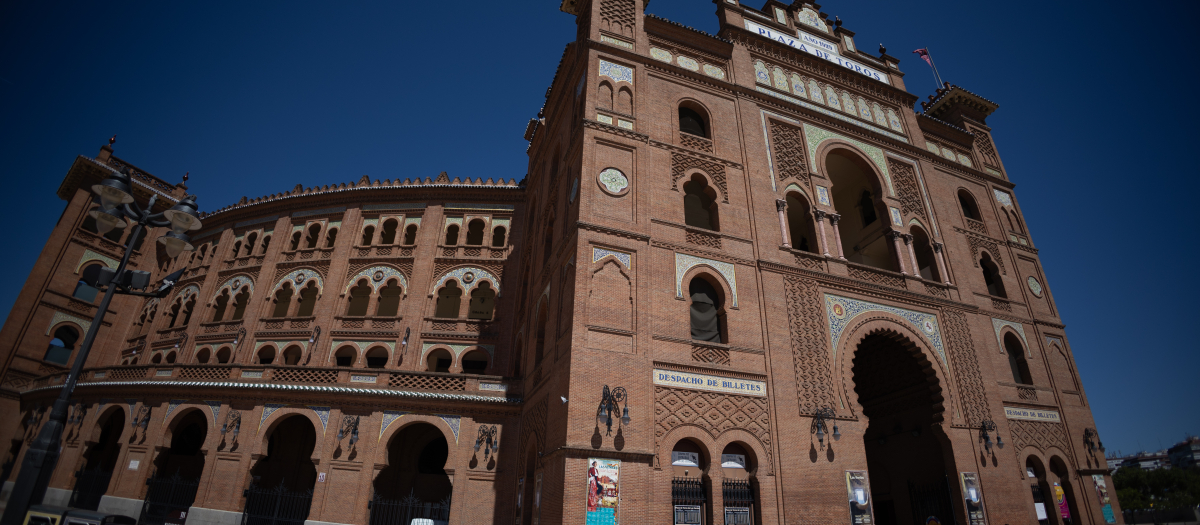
(924, 53)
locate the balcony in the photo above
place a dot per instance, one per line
(483, 252)
(308, 254)
(280, 323)
(221, 326)
(462, 326)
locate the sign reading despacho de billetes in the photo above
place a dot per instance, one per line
(727, 385)
(1030, 414)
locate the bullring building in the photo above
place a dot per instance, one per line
(742, 283)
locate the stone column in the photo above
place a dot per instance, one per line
(820, 218)
(912, 255)
(781, 207)
(837, 236)
(937, 250)
(895, 236)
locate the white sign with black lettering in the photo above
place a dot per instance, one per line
(685, 459)
(733, 461)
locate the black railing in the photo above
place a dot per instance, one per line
(167, 497)
(931, 500)
(276, 506)
(90, 486)
(688, 491)
(737, 493)
(402, 511)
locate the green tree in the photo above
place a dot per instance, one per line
(1161, 489)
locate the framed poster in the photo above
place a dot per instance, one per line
(858, 488)
(1102, 493)
(737, 516)
(537, 498)
(1060, 499)
(973, 498)
(604, 491)
(688, 514)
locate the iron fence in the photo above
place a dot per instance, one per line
(402, 511)
(166, 497)
(276, 506)
(90, 486)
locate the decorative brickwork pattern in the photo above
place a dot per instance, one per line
(814, 382)
(987, 152)
(704, 239)
(985, 243)
(533, 423)
(688, 140)
(203, 373)
(680, 164)
(1038, 434)
(787, 147)
(708, 354)
(713, 412)
(422, 382)
(965, 364)
(976, 226)
(619, 15)
(877, 277)
(907, 189)
(127, 374)
(303, 375)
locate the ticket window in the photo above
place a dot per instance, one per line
(689, 487)
(737, 488)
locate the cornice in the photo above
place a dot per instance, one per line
(862, 287)
(274, 387)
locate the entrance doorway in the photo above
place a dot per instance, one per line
(281, 485)
(99, 462)
(907, 456)
(177, 471)
(414, 484)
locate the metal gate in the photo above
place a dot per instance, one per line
(90, 486)
(931, 500)
(165, 496)
(276, 506)
(402, 511)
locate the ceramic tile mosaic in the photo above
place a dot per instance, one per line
(779, 80)
(798, 86)
(389, 417)
(684, 262)
(60, 317)
(600, 117)
(880, 118)
(1003, 197)
(1034, 285)
(267, 410)
(760, 73)
(863, 110)
(714, 72)
(831, 98)
(997, 324)
(948, 154)
(933, 148)
(323, 415)
(616, 42)
(378, 276)
(965, 160)
(299, 278)
(412, 220)
(995, 172)
(688, 63)
(848, 104)
(616, 71)
(894, 121)
(370, 222)
(823, 111)
(457, 349)
(823, 196)
(840, 311)
(468, 277)
(896, 220)
(171, 406)
(817, 135)
(613, 180)
(235, 283)
(624, 124)
(780, 16)
(810, 18)
(454, 422)
(215, 408)
(600, 253)
(814, 92)
(660, 54)
(89, 256)
(849, 41)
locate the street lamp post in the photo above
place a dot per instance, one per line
(115, 196)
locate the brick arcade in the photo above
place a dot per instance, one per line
(752, 234)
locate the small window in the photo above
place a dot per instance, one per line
(388, 236)
(967, 202)
(483, 302)
(331, 238)
(389, 300)
(475, 233)
(368, 235)
(991, 276)
(345, 356)
(1016, 360)
(692, 123)
(283, 300)
(699, 204)
(452, 235)
(475, 362)
(439, 361)
(240, 301)
(377, 358)
(410, 235)
(449, 298)
(219, 307)
(250, 241)
(62, 345)
(314, 234)
(706, 311)
(360, 297)
(295, 245)
(498, 237)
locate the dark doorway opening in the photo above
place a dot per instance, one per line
(99, 462)
(172, 489)
(414, 485)
(281, 484)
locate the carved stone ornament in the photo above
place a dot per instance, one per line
(613, 182)
(1034, 285)
(299, 278)
(378, 276)
(780, 205)
(468, 277)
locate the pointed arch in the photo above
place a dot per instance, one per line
(468, 277)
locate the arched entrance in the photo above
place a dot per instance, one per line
(177, 471)
(414, 484)
(281, 483)
(908, 458)
(99, 462)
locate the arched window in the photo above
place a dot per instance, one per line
(314, 234)
(220, 305)
(224, 354)
(475, 362)
(866, 207)
(498, 237)
(331, 237)
(345, 356)
(856, 197)
(368, 235)
(991, 276)
(1016, 360)
(174, 315)
(388, 236)
(967, 203)
(360, 297)
(266, 355)
(84, 291)
(539, 350)
(389, 299)
(926, 260)
(1014, 223)
(377, 357)
(707, 313)
(604, 95)
(452, 235)
(800, 227)
(291, 356)
(624, 101)
(475, 232)
(692, 122)
(283, 300)
(187, 310)
(438, 361)
(483, 302)
(308, 300)
(266, 243)
(548, 240)
(295, 242)
(203, 355)
(410, 235)
(62, 345)
(250, 242)
(156, 359)
(700, 204)
(237, 249)
(449, 298)
(239, 304)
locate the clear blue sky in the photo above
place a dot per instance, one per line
(1096, 126)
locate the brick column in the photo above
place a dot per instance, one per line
(912, 255)
(837, 236)
(781, 207)
(820, 217)
(894, 236)
(937, 250)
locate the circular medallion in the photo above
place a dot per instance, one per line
(838, 310)
(1034, 286)
(613, 181)
(299, 278)
(927, 326)
(237, 283)
(377, 276)
(468, 277)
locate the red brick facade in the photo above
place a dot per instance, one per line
(860, 258)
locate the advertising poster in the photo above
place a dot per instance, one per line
(1060, 499)
(537, 498)
(858, 488)
(973, 496)
(604, 491)
(1102, 492)
(687, 514)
